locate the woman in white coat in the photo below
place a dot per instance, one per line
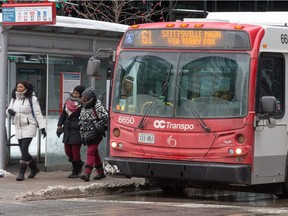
(26, 116)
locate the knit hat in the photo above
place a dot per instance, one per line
(89, 93)
(79, 89)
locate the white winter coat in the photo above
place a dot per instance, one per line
(25, 124)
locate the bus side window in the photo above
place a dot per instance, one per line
(271, 80)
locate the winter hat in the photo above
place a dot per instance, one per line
(79, 89)
(89, 93)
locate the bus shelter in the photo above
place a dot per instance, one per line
(54, 59)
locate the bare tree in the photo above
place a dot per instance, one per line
(121, 11)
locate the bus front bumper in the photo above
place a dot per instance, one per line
(183, 170)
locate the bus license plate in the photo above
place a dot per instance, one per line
(146, 138)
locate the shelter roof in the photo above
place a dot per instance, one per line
(77, 26)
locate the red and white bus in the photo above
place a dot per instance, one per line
(202, 102)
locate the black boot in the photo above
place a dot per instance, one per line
(34, 169)
(100, 172)
(87, 172)
(77, 167)
(22, 170)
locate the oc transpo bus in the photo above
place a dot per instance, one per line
(203, 103)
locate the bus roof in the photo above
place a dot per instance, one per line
(261, 18)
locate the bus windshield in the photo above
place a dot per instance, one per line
(184, 85)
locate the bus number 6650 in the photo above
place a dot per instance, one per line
(126, 120)
(284, 38)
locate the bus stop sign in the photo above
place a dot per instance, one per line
(29, 14)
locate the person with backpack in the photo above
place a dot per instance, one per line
(26, 116)
(92, 123)
(68, 123)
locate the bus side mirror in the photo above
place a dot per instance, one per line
(93, 67)
(268, 105)
(110, 71)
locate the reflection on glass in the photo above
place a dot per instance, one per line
(214, 85)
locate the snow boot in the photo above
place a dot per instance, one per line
(77, 167)
(87, 172)
(100, 172)
(22, 170)
(34, 169)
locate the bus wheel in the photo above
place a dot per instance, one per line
(174, 186)
(284, 194)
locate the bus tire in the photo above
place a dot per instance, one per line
(284, 192)
(175, 186)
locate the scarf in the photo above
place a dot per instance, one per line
(20, 95)
(72, 105)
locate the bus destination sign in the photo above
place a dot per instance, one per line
(186, 38)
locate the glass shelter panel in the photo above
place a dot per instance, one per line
(65, 73)
(60, 67)
(32, 68)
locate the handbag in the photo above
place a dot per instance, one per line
(88, 132)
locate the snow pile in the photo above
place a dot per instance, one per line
(111, 169)
(62, 192)
(4, 173)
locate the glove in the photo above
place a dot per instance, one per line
(59, 131)
(11, 112)
(43, 132)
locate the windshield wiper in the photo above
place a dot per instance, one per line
(195, 113)
(164, 87)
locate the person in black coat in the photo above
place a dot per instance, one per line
(68, 123)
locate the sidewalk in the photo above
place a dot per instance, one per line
(55, 185)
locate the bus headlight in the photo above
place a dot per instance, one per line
(117, 145)
(231, 152)
(113, 144)
(238, 151)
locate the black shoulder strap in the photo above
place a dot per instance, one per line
(31, 105)
(32, 110)
(95, 113)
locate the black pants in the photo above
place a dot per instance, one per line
(24, 148)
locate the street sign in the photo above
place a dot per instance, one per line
(29, 13)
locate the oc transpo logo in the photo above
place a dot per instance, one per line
(162, 124)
